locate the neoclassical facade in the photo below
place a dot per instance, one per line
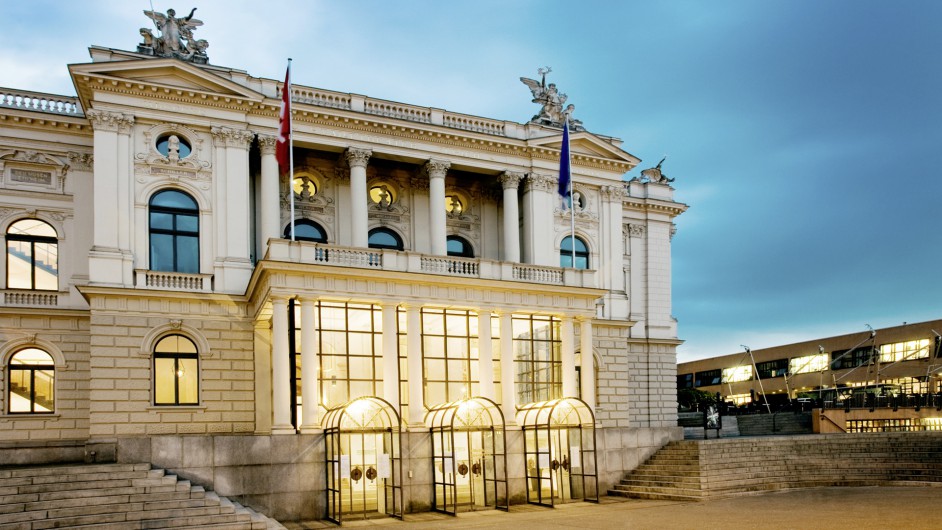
(431, 337)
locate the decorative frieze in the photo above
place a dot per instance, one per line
(110, 121)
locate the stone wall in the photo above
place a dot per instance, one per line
(65, 336)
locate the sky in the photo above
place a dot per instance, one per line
(801, 133)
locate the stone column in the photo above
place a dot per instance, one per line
(414, 363)
(588, 363)
(359, 220)
(263, 349)
(568, 336)
(539, 203)
(280, 367)
(507, 373)
(231, 209)
(110, 262)
(310, 362)
(485, 355)
(436, 170)
(511, 232)
(391, 355)
(271, 201)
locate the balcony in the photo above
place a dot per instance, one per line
(40, 102)
(173, 281)
(414, 262)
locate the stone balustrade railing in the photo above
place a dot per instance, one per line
(397, 110)
(391, 260)
(173, 281)
(320, 98)
(30, 298)
(40, 102)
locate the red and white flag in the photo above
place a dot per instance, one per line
(283, 145)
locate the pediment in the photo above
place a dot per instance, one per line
(586, 143)
(160, 74)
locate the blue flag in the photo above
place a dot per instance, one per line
(565, 171)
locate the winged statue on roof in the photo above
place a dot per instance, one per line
(552, 101)
(176, 37)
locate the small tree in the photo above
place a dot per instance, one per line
(693, 399)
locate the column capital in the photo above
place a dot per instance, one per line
(307, 300)
(229, 137)
(613, 193)
(435, 168)
(357, 157)
(635, 230)
(278, 299)
(536, 181)
(510, 179)
(267, 143)
(110, 121)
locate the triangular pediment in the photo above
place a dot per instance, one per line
(158, 74)
(586, 143)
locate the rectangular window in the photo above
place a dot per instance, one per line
(537, 358)
(684, 381)
(737, 374)
(809, 364)
(845, 359)
(707, 378)
(449, 355)
(771, 369)
(905, 351)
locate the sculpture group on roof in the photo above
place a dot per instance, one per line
(176, 37)
(552, 99)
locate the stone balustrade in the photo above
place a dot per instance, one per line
(40, 102)
(173, 281)
(397, 110)
(30, 298)
(391, 260)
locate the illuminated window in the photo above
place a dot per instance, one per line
(566, 254)
(737, 374)
(176, 371)
(174, 232)
(384, 238)
(306, 230)
(458, 246)
(808, 364)
(450, 355)
(537, 361)
(32, 256)
(904, 351)
(31, 388)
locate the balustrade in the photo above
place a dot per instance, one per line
(39, 102)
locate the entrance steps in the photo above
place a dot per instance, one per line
(700, 469)
(115, 497)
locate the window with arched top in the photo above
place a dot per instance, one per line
(176, 371)
(384, 238)
(174, 232)
(32, 256)
(306, 230)
(31, 382)
(566, 254)
(459, 247)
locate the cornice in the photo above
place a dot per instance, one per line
(35, 120)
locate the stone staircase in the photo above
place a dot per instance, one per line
(700, 469)
(115, 497)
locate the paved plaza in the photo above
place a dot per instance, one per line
(909, 507)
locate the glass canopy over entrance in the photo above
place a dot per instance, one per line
(468, 455)
(559, 448)
(364, 467)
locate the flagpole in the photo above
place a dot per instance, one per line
(290, 147)
(572, 210)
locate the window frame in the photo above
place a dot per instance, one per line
(176, 356)
(384, 230)
(305, 222)
(467, 250)
(580, 254)
(32, 240)
(173, 232)
(32, 369)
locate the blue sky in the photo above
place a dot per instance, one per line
(801, 133)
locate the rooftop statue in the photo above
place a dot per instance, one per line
(175, 39)
(552, 100)
(654, 174)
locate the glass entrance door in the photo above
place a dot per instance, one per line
(471, 470)
(362, 488)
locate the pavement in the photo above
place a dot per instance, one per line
(877, 507)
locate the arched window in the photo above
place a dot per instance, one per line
(384, 238)
(176, 371)
(459, 246)
(174, 232)
(305, 230)
(32, 256)
(31, 387)
(565, 253)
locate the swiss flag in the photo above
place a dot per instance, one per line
(283, 145)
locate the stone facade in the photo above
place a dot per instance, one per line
(91, 168)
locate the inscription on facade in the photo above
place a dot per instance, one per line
(29, 176)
